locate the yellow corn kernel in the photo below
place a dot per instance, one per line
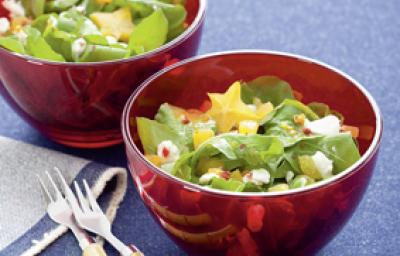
(248, 127)
(206, 163)
(201, 135)
(279, 187)
(285, 126)
(154, 159)
(299, 119)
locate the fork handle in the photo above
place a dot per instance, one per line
(94, 249)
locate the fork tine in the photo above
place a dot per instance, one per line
(44, 189)
(69, 194)
(82, 200)
(93, 203)
(58, 192)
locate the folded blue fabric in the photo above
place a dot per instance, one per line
(91, 172)
(25, 228)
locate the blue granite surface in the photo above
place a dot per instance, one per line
(359, 37)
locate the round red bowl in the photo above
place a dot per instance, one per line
(203, 221)
(80, 104)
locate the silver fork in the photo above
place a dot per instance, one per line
(60, 212)
(89, 216)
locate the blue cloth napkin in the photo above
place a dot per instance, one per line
(25, 228)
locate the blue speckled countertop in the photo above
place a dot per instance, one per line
(358, 37)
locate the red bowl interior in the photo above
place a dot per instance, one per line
(80, 104)
(223, 223)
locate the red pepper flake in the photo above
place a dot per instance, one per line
(242, 146)
(306, 131)
(185, 120)
(225, 175)
(165, 152)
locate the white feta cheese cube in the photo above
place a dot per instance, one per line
(257, 176)
(323, 164)
(328, 125)
(207, 177)
(168, 151)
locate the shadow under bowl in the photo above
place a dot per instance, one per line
(80, 104)
(203, 221)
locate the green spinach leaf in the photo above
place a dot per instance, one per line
(267, 89)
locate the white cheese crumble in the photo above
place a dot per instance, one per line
(252, 107)
(168, 151)
(324, 165)
(257, 176)
(207, 177)
(78, 47)
(111, 40)
(302, 181)
(249, 124)
(22, 36)
(4, 25)
(15, 8)
(328, 125)
(81, 9)
(52, 21)
(289, 176)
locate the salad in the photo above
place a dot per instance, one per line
(90, 30)
(255, 137)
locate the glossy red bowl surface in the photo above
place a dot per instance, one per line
(210, 222)
(80, 104)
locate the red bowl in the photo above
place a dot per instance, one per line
(80, 104)
(209, 222)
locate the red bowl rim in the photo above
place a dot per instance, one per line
(200, 16)
(365, 158)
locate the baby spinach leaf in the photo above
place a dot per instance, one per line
(151, 32)
(281, 122)
(96, 39)
(251, 187)
(59, 5)
(323, 110)
(267, 89)
(41, 22)
(244, 151)
(175, 32)
(341, 149)
(60, 42)
(227, 185)
(95, 53)
(152, 133)
(165, 115)
(12, 44)
(182, 168)
(38, 47)
(176, 15)
(91, 6)
(34, 8)
(74, 22)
